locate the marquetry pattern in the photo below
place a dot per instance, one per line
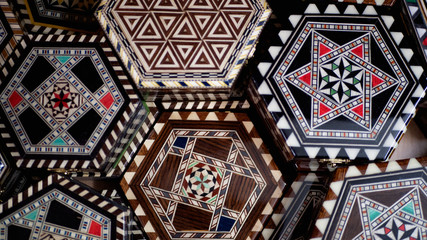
(203, 178)
(206, 105)
(52, 188)
(374, 189)
(10, 36)
(135, 228)
(121, 143)
(56, 17)
(301, 135)
(417, 9)
(219, 37)
(301, 202)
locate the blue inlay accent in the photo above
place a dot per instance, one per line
(63, 59)
(59, 142)
(225, 224)
(180, 142)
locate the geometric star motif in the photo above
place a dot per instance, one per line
(392, 222)
(342, 79)
(202, 181)
(345, 83)
(209, 166)
(61, 100)
(397, 229)
(384, 207)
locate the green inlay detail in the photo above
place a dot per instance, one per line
(333, 91)
(211, 200)
(326, 78)
(192, 164)
(348, 93)
(373, 213)
(59, 142)
(219, 172)
(63, 59)
(184, 192)
(412, 1)
(334, 66)
(356, 81)
(409, 208)
(348, 68)
(32, 215)
(205, 178)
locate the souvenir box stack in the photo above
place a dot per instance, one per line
(212, 119)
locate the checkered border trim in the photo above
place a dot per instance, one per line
(121, 213)
(119, 147)
(265, 92)
(360, 170)
(203, 116)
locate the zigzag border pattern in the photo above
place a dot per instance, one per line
(135, 115)
(121, 213)
(203, 116)
(282, 123)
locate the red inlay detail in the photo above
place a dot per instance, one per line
(425, 41)
(323, 49)
(402, 227)
(15, 99)
(358, 110)
(358, 51)
(323, 109)
(95, 228)
(306, 78)
(107, 100)
(387, 230)
(376, 81)
(412, 238)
